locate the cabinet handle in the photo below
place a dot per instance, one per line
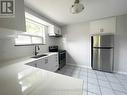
(35, 65)
(46, 61)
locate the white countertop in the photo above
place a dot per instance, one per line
(16, 78)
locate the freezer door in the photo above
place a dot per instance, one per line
(103, 41)
(103, 59)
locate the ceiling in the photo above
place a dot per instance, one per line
(58, 10)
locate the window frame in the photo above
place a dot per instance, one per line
(43, 37)
(31, 41)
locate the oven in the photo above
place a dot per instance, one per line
(61, 53)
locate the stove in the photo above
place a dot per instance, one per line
(61, 55)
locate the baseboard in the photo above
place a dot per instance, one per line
(125, 73)
(79, 65)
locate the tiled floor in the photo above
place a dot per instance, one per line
(96, 82)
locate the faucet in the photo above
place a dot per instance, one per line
(36, 48)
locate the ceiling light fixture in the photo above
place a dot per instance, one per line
(77, 7)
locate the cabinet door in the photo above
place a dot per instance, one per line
(42, 63)
(33, 63)
(103, 26)
(53, 62)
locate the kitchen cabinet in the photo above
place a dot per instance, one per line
(49, 63)
(11, 25)
(34, 63)
(54, 31)
(103, 26)
(43, 64)
(53, 62)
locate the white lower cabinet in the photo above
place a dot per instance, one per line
(49, 63)
(43, 64)
(53, 62)
(33, 63)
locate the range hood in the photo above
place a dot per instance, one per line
(54, 31)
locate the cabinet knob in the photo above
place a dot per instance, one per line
(35, 65)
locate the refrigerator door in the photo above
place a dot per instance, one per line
(103, 41)
(103, 59)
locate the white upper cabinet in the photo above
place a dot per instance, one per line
(103, 26)
(16, 23)
(54, 30)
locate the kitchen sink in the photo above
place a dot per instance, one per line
(38, 56)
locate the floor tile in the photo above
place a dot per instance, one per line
(92, 81)
(99, 73)
(85, 85)
(93, 88)
(121, 77)
(60, 72)
(104, 83)
(68, 73)
(118, 87)
(84, 92)
(76, 68)
(68, 70)
(83, 69)
(75, 75)
(97, 82)
(75, 72)
(92, 75)
(68, 67)
(109, 74)
(91, 71)
(107, 91)
(120, 93)
(83, 78)
(124, 84)
(113, 79)
(102, 78)
(83, 73)
(89, 93)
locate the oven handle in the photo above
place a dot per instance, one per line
(62, 52)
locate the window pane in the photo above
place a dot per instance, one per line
(34, 28)
(36, 40)
(21, 40)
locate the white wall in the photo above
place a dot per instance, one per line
(76, 41)
(8, 51)
(121, 45)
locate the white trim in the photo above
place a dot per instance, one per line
(83, 66)
(36, 19)
(119, 72)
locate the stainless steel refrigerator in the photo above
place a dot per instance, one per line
(102, 49)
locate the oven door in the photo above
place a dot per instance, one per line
(62, 59)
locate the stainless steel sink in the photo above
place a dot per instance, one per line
(38, 56)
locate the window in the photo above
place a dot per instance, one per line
(35, 32)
